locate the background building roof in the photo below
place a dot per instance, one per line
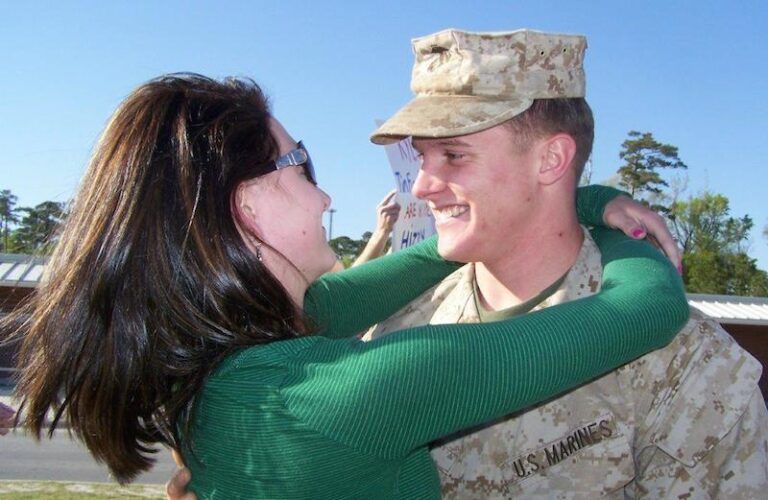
(732, 309)
(21, 270)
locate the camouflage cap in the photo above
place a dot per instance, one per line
(467, 82)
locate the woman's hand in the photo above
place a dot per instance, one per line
(176, 488)
(6, 419)
(638, 221)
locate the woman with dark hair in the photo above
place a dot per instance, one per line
(177, 309)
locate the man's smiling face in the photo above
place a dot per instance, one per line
(481, 190)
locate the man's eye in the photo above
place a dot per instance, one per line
(454, 156)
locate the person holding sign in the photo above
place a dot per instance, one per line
(387, 212)
(186, 304)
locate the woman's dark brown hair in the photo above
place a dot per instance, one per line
(151, 285)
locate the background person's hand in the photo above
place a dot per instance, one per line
(638, 221)
(6, 418)
(387, 212)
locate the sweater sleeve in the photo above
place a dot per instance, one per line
(346, 303)
(591, 202)
(393, 394)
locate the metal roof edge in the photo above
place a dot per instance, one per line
(21, 257)
(727, 298)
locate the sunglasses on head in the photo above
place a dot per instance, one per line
(294, 158)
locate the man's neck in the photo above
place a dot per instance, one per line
(531, 266)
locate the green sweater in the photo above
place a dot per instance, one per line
(331, 417)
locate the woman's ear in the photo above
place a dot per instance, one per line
(244, 213)
(557, 158)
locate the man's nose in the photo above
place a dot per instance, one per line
(426, 184)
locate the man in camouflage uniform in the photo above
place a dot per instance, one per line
(686, 421)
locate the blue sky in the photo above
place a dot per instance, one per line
(693, 73)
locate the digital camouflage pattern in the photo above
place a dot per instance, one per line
(686, 421)
(467, 82)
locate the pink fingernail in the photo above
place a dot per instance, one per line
(638, 233)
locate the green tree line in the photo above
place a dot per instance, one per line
(348, 249)
(28, 230)
(715, 243)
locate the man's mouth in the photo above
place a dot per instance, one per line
(448, 212)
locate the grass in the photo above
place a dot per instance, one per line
(55, 490)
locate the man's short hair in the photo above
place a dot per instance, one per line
(546, 117)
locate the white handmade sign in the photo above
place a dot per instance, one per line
(415, 223)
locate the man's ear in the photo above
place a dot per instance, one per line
(557, 154)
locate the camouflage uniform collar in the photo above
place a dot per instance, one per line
(582, 280)
(584, 277)
(487, 315)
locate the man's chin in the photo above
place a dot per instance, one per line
(453, 252)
